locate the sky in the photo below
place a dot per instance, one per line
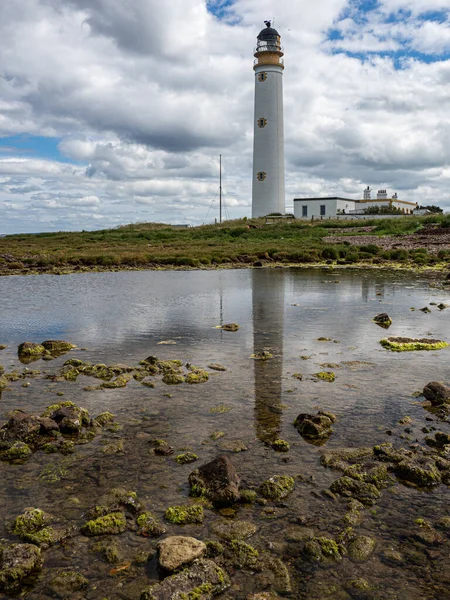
(116, 111)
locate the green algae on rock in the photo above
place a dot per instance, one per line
(277, 487)
(66, 582)
(241, 554)
(17, 563)
(366, 493)
(318, 549)
(325, 376)
(200, 581)
(57, 346)
(186, 458)
(173, 378)
(405, 344)
(360, 548)
(263, 355)
(181, 515)
(149, 525)
(30, 350)
(280, 445)
(197, 375)
(314, 428)
(229, 327)
(17, 451)
(110, 524)
(233, 530)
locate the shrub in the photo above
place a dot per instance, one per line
(370, 248)
(330, 252)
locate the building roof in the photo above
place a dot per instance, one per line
(269, 33)
(326, 198)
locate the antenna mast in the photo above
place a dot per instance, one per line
(220, 188)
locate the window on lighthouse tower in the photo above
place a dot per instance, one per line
(262, 122)
(262, 76)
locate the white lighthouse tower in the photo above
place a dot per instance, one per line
(268, 143)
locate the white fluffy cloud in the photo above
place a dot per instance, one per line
(143, 96)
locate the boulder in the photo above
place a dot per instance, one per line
(217, 480)
(361, 548)
(30, 350)
(18, 562)
(437, 393)
(178, 551)
(383, 319)
(57, 346)
(315, 427)
(203, 580)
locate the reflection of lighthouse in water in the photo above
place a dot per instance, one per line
(268, 322)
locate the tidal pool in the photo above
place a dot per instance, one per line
(127, 316)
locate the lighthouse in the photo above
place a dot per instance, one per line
(268, 142)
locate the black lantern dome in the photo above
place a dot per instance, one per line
(269, 34)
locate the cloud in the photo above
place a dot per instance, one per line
(144, 96)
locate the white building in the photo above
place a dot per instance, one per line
(268, 194)
(333, 206)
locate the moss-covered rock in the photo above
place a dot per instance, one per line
(173, 378)
(117, 499)
(315, 427)
(277, 487)
(340, 458)
(366, 493)
(318, 549)
(17, 451)
(104, 419)
(217, 481)
(325, 376)
(149, 525)
(30, 521)
(360, 548)
(66, 582)
(197, 375)
(186, 458)
(30, 350)
(119, 382)
(230, 327)
(181, 515)
(201, 581)
(233, 529)
(403, 344)
(17, 563)
(248, 496)
(422, 471)
(110, 524)
(241, 555)
(280, 445)
(58, 346)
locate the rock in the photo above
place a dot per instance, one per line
(57, 346)
(383, 319)
(149, 525)
(162, 448)
(366, 493)
(340, 457)
(315, 427)
(17, 451)
(71, 419)
(17, 563)
(217, 367)
(30, 350)
(233, 530)
(34, 526)
(322, 548)
(404, 344)
(21, 427)
(217, 480)
(361, 548)
(280, 445)
(325, 376)
(437, 393)
(181, 515)
(230, 327)
(242, 555)
(65, 582)
(177, 551)
(117, 499)
(421, 471)
(110, 524)
(197, 375)
(186, 458)
(276, 487)
(202, 580)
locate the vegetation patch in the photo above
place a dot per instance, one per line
(404, 344)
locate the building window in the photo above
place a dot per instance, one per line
(262, 122)
(304, 211)
(261, 176)
(262, 76)
(322, 210)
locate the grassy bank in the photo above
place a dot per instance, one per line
(233, 243)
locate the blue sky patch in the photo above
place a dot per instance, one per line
(31, 146)
(219, 8)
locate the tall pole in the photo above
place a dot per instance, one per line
(220, 189)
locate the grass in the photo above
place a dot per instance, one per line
(153, 245)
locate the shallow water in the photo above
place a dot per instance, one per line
(123, 317)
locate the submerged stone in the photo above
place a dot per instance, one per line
(216, 367)
(315, 427)
(318, 549)
(241, 554)
(117, 499)
(30, 350)
(366, 493)
(57, 346)
(17, 563)
(216, 480)
(66, 582)
(404, 344)
(186, 458)
(421, 471)
(233, 530)
(197, 376)
(230, 327)
(437, 393)
(361, 548)
(276, 487)
(181, 515)
(110, 524)
(201, 581)
(149, 525)
(178, 551)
